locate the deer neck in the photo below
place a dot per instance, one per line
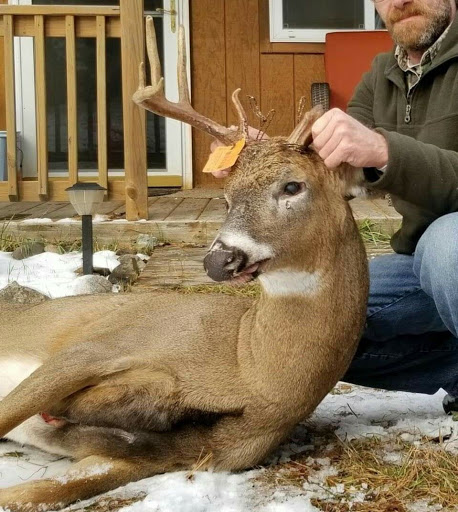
(299, 336)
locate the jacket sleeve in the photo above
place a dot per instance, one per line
(417, 172)
(420, 173)
(360, 105)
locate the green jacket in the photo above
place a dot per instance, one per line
(422, 172)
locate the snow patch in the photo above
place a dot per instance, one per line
(37, 221)
(79, 474)
(50, 273)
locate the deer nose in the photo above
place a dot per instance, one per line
(223, 262)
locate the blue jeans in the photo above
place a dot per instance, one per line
(410, 342)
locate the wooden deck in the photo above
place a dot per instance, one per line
(192, 216)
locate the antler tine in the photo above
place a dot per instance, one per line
(141, 76)
(183, 88)
(243, 119)
(152, 51)
(152, 97)
(302, 134)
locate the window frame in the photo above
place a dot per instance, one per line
(279, 34)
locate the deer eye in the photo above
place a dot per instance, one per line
(293, 188)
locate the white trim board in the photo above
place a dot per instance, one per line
(279, 34)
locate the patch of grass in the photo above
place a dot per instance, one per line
(248, 290)
(370, 233)
(8, 243)
(341, 389)
(112, 504)
(424, 472)
(381, 506)
(15, 455)
(202, 463)
(66, 246)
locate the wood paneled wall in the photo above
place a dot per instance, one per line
(230, 48)
(2, 81)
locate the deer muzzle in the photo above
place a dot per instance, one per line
(222, 263)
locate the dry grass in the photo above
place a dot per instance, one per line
(15, 455)
(111, 504)
(8, 243)
(424, 472)
(202, 464)
(370, 233)
(248, 290)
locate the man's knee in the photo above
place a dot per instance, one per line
(436, 255)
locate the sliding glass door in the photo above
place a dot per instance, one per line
(168, 151)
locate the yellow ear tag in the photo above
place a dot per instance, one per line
(224, 156)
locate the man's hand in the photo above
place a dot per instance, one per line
(339, 138)
(252, 134)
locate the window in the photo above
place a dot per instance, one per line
(296, 20)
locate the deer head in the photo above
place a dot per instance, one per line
(281, 197)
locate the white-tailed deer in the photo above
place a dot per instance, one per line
(134, 385)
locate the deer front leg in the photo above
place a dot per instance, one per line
(58, 377)
(87, 478)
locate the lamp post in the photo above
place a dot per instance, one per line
(85, 197)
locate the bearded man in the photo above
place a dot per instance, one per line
(402, 127)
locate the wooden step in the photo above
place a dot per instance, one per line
(175, 218)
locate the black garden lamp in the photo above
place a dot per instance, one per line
(85, 197)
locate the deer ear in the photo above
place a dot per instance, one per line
(302, 134)
(352, 180)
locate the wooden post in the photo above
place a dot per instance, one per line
(10, 108)
(40, 95)
(102, 102)
(72, 105)
(135, 162)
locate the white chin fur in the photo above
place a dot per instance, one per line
(281, 283)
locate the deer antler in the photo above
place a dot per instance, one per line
(152, 97)
(302, 134)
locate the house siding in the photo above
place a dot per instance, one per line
(230, 48)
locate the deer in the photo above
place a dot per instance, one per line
(132, 385)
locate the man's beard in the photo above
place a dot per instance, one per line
(421, 33)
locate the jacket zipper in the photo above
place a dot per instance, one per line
(408, 117)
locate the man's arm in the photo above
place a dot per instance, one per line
(420, 173)
(360, 106)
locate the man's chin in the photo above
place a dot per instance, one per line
(417, 31)
(409, 33)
